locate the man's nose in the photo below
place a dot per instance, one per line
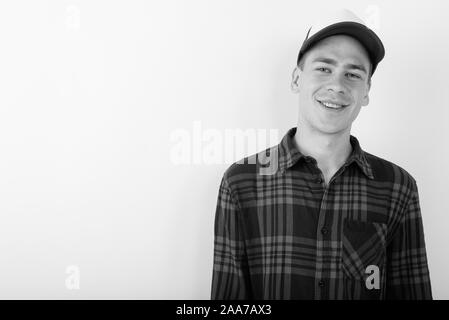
(336, 84)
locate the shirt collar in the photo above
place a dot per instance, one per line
(289, 154)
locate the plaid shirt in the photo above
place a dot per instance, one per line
(285, 235)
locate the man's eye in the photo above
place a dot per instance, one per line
(354, 76)
(323, 69)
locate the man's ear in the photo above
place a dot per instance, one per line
(365, 101)
(295, 79)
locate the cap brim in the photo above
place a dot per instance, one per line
(364, 35)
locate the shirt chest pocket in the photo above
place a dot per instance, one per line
(363, 259)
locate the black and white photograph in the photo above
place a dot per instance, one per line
(224, 150)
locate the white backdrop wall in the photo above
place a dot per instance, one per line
(114, 118)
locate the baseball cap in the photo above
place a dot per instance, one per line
(344, 22)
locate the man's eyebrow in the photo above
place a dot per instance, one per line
(325, 60)
(334, 63)
(356, 67)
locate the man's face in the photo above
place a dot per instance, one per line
(333, 84)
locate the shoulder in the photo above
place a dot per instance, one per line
(389, 172)
(246, 170)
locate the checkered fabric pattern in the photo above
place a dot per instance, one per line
(284, 234)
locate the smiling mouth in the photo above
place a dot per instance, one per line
(332, 106)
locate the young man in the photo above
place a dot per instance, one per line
(329, 221)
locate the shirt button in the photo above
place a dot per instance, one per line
(321, 283)
(319, 180)
(324, 230)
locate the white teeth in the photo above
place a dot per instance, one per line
(331, 105)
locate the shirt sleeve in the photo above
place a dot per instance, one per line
(230, 277)
(407, 270)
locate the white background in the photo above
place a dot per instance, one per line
(91, 93)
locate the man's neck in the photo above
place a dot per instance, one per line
(329, 150)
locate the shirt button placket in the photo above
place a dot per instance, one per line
(324, 231)
(322, 235)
